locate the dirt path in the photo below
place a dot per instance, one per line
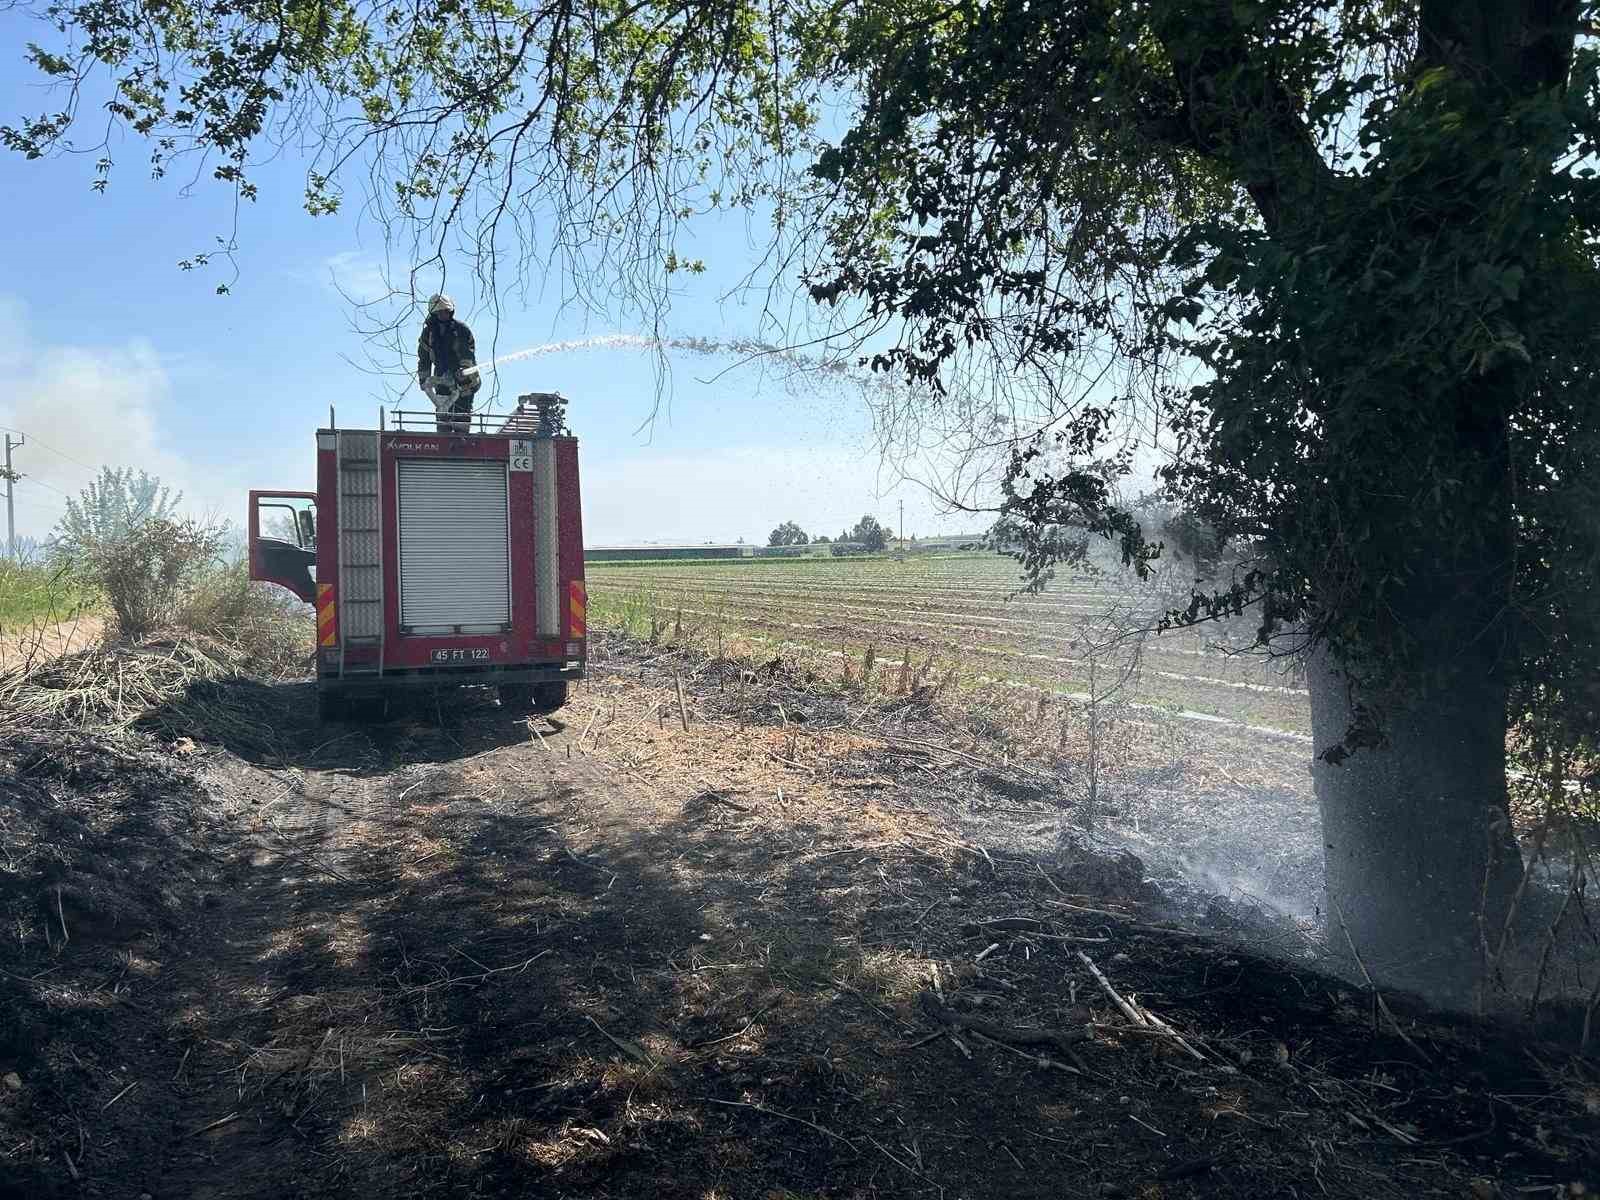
(20, 647)
(604, 956)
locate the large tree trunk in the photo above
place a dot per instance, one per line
(1416, 839)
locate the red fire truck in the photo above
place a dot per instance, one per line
(437, 555)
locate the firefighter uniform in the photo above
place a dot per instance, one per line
(446, 348)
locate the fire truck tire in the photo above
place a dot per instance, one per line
(547, 697)
(516, 697)
(331, 706)
(533, 697)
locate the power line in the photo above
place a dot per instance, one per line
(49, 447)
(43, 484)
(28, 502)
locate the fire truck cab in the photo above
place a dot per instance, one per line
(437, 558)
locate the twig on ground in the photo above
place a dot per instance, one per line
(1377, 995)
(1038, 1060)
(630, 1049)
(1104, 912)
(62, 917)
(1058, 1039)
(217, 1124)
(454, 980)
(1399, 1135)
(970, 759)
(1004, 925)
(1172, 1033)
(714, 794)
(884, 1013)
(1147, 1125)
(588, 727)
(1056, 887)
(1143, 1020)
(413, 788)
(773, 1112)
(789, 762)
(119, 1095)
(904, 1166)
(748, 1026)
(1066, 937)
(1127, 1009)
(285, 848)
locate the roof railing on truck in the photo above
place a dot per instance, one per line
(537, 414)
(403, 420)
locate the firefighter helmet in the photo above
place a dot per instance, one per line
(441, 304)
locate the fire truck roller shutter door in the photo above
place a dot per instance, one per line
(454, 551)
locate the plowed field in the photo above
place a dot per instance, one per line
(960, 611)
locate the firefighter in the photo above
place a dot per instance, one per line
(446, 363)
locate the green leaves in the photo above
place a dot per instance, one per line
(1353, 279)
(49, 64)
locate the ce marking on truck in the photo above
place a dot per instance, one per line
(521, 454)
(460, 655)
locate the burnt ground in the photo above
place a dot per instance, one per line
(460, 954)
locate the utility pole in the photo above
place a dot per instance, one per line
(11, 493)
(902, 524)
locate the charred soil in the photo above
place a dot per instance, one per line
(752, 944)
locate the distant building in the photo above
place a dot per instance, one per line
(680, 551)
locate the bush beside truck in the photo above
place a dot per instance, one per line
(177, 601)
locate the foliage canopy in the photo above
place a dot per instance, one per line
(1337, 260)
(788, 534)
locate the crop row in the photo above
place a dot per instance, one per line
(1270, 705)
(925, 626)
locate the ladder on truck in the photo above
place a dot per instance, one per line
(361, 620)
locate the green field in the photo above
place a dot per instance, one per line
(959, 612)
(32, 593)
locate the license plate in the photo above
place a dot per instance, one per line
(460, 656)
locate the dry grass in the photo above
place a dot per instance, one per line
(219, 626)
(182, 681)
(271, 633)
(114, 683)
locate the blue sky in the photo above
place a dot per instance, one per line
(116, 356)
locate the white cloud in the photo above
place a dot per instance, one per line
(81, 407)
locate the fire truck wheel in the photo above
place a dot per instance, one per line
(330, 706)
(547, 697)
(516, 697)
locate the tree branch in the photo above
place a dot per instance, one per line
(1237, 112)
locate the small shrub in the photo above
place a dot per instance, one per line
(114, 503)
(272, 631)
(146, 570)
